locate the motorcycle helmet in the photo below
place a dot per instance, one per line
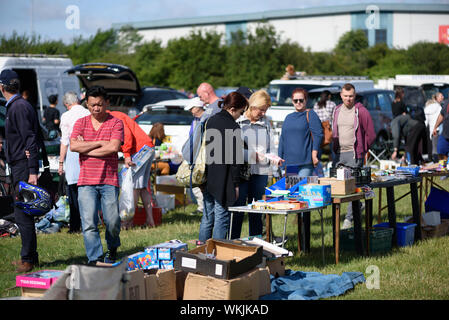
(33, 200)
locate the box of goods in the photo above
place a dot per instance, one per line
(166, 250)
(248, 286)
(435, 231)
(35, 284)
(220, 258)
(361, 175)
(379, 241)
(280, 205)
(160, 284)
(339, 187)
(167, 264)
(316, 195)
(412, 170)
(405, 232)
(148, 260)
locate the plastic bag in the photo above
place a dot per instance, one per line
(126, 200)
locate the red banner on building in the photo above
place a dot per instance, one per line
(444, 34)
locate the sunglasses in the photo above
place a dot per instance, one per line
(298, 100)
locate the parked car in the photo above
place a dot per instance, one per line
(152, 95)
(175, 118)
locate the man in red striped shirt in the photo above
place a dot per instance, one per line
(97, 138)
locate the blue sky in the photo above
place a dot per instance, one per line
(54, 20)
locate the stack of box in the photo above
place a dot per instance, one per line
(159, 256)
(223, 270)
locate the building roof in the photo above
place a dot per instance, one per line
(285, 14)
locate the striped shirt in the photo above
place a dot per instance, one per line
(98, 170)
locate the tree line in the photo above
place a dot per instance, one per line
(249, 59)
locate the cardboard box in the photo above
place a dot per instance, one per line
(167, 264)
(35, 284)
(134, 287)
(160, 285)
(316, 195)
(180, 282)
(148, 260)
(220, 258)
(435, 231)
(133, 261)
(248, 286)
(276, 267)
(339, 187)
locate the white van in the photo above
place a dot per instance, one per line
(42, 76)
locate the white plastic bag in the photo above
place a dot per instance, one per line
(126, 200)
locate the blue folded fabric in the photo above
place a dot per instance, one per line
(298, 285)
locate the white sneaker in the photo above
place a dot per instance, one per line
(346, 224)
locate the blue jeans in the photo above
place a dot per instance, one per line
(250, 190)
(215, 220)
(89, 199)
(305, 170)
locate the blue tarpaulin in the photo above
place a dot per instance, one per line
(298, 285)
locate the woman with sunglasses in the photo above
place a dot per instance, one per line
(301, 136)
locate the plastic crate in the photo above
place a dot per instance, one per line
(361, 175)
(140, 216)
(405, 232)
(379, 241)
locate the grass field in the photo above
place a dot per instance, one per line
(416, 272)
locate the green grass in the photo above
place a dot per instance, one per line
(416, 272)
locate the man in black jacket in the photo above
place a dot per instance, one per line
(22, 155)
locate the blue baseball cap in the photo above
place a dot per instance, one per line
(6, 76)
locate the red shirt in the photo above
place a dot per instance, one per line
(98, 170)
(135, 137)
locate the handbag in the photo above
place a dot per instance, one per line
(194, 174)
(327, 131)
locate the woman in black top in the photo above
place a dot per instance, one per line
(224, 154)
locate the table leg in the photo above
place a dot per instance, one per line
(300, 233)
(336, 210)
(306, 216)
(420, 193)
(322, 234)
(416, 210)
(357, 226)
(268, 227)
(379, 208)
(368, 222)
(285, 229)
(392, 215)
(230, 226)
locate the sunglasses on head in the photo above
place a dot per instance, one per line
(298, 100)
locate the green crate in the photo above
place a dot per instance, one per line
(380, 240)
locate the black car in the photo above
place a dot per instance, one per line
(152, 95)
(122, 86)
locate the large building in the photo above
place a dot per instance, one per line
(397, 25)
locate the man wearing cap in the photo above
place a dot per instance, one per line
(195, 106)
(22, 155)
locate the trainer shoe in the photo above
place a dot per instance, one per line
(111, 256)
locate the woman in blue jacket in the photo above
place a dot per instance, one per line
(301, 136)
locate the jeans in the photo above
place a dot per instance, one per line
(215, 220)
(305, 170)
(250, 190)
(25, 222)
(89, 199)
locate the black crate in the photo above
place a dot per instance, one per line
(362, 175)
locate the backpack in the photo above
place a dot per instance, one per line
(194, 174)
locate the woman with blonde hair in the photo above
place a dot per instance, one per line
(257, 138)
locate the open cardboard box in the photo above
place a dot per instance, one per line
(220, 258)
(248, 286)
